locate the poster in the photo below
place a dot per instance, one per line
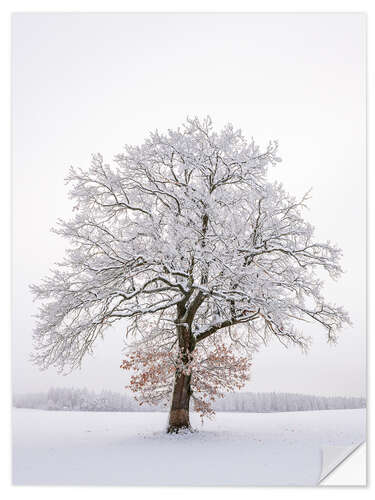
(208, 301)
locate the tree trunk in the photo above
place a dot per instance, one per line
(179, 412)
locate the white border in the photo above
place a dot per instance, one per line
(6, 8)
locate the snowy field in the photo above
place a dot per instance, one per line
(88, 448)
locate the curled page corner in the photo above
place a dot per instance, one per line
(333, 456)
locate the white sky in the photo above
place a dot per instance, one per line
(85, 83)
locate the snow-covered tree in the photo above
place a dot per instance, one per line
(185, 239)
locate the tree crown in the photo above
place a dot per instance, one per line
(184, 231)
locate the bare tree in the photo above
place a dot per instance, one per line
(185, 239)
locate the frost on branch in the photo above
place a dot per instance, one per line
(185, 239)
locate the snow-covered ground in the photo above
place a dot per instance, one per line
(132, 449)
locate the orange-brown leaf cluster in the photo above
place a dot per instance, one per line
(214, 371)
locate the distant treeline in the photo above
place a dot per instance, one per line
(258, 402)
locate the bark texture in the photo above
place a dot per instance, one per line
(179, 412)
